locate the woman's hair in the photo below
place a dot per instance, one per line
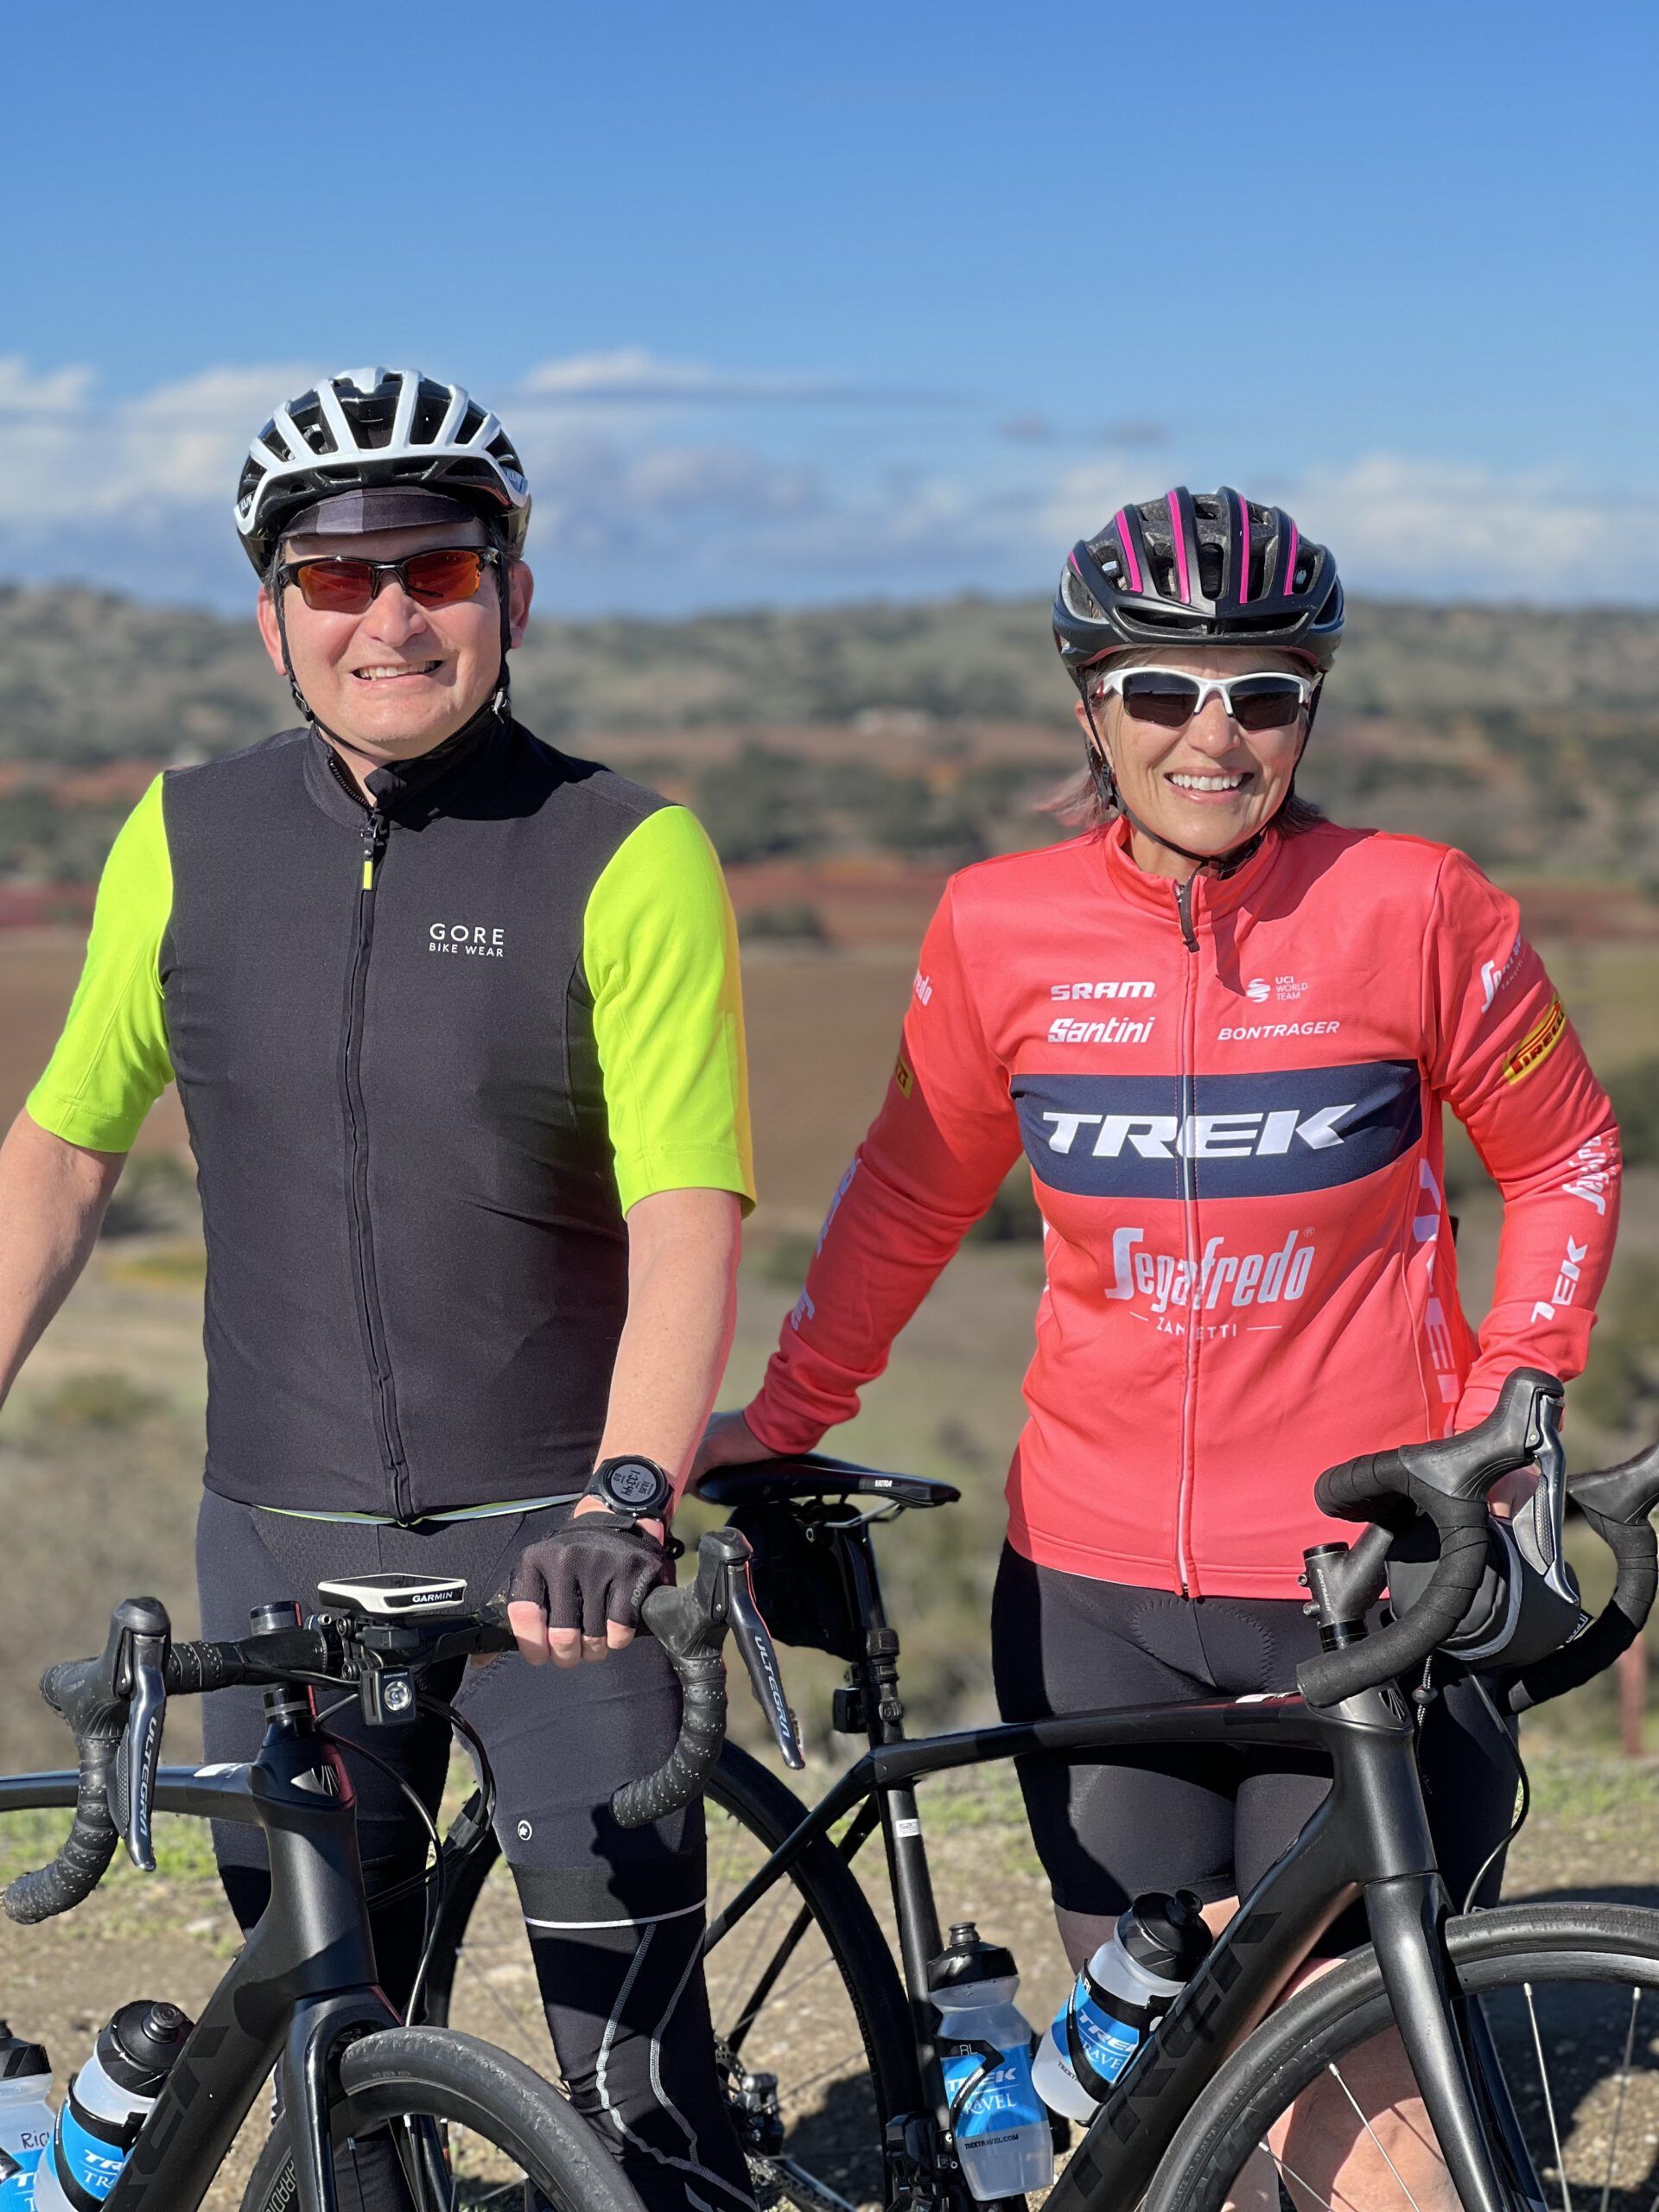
(1079, 803)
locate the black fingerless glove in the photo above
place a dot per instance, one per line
(596, 1569)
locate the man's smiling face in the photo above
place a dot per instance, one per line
(400, 678)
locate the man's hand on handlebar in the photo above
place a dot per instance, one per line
(576, 1595)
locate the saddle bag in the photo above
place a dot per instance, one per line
(799, 1584)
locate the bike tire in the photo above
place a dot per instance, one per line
(744, 1793)
(1521, 1963)
(463, 2084)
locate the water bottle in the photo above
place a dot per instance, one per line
(108, 2102)
(1118, 1999)
(25, 2118)
(1005, 2144)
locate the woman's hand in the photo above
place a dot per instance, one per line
(729, 1441)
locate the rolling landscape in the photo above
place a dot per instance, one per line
(844, 762)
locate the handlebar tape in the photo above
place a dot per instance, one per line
(79, 1691)
(685, 1772)
(1636, 1549)
(1406, 1642)
(1447, 1479)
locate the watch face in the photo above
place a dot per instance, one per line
(634, 1482)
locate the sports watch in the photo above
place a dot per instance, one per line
(634, 1489)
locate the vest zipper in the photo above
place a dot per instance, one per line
(1184, 892)
(375, 831)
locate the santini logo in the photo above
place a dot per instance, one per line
(1219, 1278)
(474, 938)
(1200, 1136)
(1117, 1030)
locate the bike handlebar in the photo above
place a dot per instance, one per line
(1447, 1480)
(115, 1703)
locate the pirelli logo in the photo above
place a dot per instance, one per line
(1537, 1045)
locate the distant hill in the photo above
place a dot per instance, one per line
(1530, 737)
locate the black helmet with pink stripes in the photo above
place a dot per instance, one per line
(1212, 569)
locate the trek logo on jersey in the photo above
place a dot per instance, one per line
(1221, 1136)
(1537, 1045)
(1063, 1030)
(1111, 990)
(475, 939)
(1566, 1281)
(1495, 975)
(1219, 1277)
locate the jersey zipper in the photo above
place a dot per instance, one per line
(1184, 897)
(375, 832)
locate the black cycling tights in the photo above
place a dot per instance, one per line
(615, 1917)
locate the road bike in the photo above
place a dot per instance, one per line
(468, 2125)
(1530, 2030)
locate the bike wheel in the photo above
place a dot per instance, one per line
(811, 2022)
(1559, 2002)
(443, 2123)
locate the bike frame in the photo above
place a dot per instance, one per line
(1369, 1838)
(302, 1985)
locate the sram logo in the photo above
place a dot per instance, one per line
(1102, 991)
(1217, 1277)
(1202, 1136)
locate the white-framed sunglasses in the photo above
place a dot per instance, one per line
(1259, 699)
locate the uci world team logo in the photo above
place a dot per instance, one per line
(1218, 1136)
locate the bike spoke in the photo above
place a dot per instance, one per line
(1289, 2173)
(1336, 2073)
(1618, 2109)
(1549, 2100)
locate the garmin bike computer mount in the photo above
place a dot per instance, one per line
(380, 1605)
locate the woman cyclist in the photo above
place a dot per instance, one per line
(1223, 1030)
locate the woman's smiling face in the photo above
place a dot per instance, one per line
(1207, 785)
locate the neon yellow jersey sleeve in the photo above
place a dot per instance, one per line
(659, 947)
(112, 1062)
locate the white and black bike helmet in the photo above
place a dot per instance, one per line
(374, 430)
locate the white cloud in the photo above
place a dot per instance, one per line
(632, 376)
(1408, 524)
(1402, 524)
(753, 503)
(62, 455)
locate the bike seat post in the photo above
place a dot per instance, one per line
(877, 1677)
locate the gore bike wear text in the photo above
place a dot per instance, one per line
(1229, 1096)
(429, 1056)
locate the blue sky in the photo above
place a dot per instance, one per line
(834, 300)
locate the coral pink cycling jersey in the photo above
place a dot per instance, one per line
(1230, 1095)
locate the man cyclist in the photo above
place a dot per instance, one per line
(1223, 1031)
(456, 1026)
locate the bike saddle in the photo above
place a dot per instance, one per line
(810, 1474)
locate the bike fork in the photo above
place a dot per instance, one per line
(320, 2025)
(1405, 1915)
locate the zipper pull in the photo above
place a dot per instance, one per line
(1184, 910)
(374, 844)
